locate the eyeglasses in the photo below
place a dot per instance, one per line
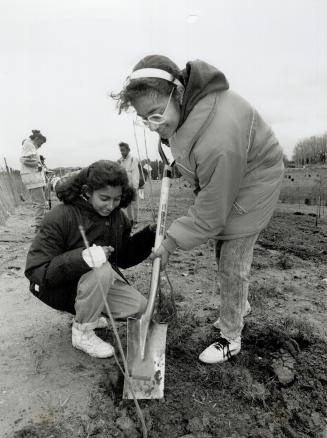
(154, 119)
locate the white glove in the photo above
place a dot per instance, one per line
(94, 257)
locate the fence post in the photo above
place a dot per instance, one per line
(10, 182)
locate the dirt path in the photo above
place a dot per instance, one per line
(48, 389)
(43, 381)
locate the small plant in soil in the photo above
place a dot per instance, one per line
(285, 261)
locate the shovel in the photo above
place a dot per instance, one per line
(146, 339)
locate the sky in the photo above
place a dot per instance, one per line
(61, 59)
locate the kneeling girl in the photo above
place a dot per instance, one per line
(59, 266)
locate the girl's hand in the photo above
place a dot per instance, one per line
(94, 256)
(162, 253)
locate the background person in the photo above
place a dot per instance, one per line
(49, 176)
(33, 175)
(131, 165)
(223, 147)
(59, 266)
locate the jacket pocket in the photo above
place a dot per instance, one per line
(250, 201)
(247, 202)
(238, 209)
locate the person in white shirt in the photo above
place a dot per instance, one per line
(131, 165)
(32, 173)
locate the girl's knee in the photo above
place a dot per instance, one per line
(96, 280)
(104, 273)
(139, 306)
(142, 304)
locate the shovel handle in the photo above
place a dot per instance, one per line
(160, 234)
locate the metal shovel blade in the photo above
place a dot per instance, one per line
(146, 340)
(146, 373)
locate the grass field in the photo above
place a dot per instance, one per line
(305, 186)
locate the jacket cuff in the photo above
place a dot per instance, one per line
(169, 244)
(74, 265)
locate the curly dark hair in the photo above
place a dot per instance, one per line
(139, 87)
(99, 174)
(123, 144)
(36, 135)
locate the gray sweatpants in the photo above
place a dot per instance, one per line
(234, 258)
(123, 299)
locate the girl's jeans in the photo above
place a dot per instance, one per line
(234, 258)
(123, 300)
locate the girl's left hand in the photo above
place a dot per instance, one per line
(162, 253)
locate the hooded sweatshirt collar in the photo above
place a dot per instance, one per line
(199, 79)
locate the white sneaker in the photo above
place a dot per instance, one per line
(247, 312)
(221, 350)
(86, 340)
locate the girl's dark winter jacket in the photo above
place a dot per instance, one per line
(54, 262)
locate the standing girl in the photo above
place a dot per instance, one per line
(59, 266)
(223, 147)
(32, 173)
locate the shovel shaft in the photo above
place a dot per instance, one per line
(146, 339)
(160, 234)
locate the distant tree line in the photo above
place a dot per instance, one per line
(157, 167)
(312, 150)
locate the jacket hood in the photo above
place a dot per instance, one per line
(199, 79)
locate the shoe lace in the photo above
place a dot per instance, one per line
(223, 344)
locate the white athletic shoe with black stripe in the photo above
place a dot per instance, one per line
(221, 350)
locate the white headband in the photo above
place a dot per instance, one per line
(154, 73)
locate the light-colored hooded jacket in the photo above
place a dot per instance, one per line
(30, 161)
(234, 163)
